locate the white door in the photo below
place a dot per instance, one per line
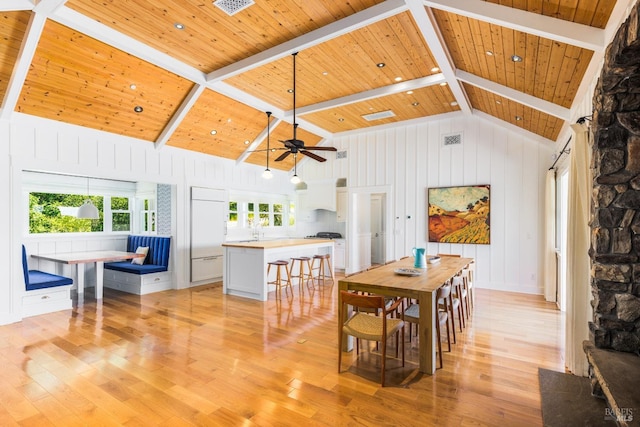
(377, 229)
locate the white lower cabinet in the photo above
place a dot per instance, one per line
(139, 284)
(47, 300)
(340, 254)
(208, 268)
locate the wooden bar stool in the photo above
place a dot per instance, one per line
(322, 261)
(302, 274)
(278, 280)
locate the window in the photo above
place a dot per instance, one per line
(120, 214)
(233, 215)
(148, 216)
(55, 213)
(260, 213)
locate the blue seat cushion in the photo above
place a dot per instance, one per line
(40, 280)
(127, 267)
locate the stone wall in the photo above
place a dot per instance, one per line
(615, 227)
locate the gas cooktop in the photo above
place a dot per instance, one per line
(325, 235)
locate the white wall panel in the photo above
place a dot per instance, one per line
(414, 160)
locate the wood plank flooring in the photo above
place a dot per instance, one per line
(198, 357)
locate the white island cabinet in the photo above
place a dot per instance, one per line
(245, 263)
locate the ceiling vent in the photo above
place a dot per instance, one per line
(452, 139)
(232, 6)
(379, 115)
(341, 155)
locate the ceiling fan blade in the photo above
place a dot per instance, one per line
(313, 156)
(283, 156)
(321, 148)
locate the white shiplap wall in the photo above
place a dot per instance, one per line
(31, 143)
(406, 159)
(411, 159)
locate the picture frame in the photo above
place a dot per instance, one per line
(459, 214)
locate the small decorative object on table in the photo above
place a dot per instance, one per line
(408, 271)
(433, 259)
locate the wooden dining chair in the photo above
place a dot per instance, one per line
(459, 295)
(371, 327)
(412, 316)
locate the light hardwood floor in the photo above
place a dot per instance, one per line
(198, 357)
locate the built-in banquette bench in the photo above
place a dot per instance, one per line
(45, 292)
(152, 275)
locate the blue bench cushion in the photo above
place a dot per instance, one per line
(157, 258)
(127, 267)
(35, 279)
(40, 280)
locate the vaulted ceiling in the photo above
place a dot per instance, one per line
(200, 75)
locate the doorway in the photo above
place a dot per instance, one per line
(378, 233)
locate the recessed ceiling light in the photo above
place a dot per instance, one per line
(518, 118)
(289, 90)
(213, 132)
(489, 53)
(325, 73)
(435, 69)
(341, 119)
(398, 79)
(246, 142)
(454, 103)
(498, 102)
(132, 86)
(516, 58)
(178, 26)
(137, 109)
(415, 104)
(380, 64)
(409, 92)
(443, 84)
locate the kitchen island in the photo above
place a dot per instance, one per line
(245, 263)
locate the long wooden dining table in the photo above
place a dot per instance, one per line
(385, 281)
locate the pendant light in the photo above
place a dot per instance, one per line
(267, 172)
(295, 179)
(88, 210)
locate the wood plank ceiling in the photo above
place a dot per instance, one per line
(202, 79)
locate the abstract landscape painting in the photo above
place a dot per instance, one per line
(459, 214)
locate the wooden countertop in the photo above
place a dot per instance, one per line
(272, 244)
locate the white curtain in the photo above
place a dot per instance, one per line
(550, 260)
(579, 311)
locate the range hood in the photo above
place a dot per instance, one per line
(321, 194)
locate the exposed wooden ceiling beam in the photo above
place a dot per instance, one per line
(179, 115)
(432, 36)
(515, 95)
(105, 34)
(14, 5)
(371, 94)
(560, 30)
(336, 29)
(21, 67)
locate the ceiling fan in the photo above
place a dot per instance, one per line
(295, 145)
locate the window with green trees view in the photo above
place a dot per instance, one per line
(56, 213)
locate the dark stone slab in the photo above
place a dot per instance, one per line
(567, 401)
